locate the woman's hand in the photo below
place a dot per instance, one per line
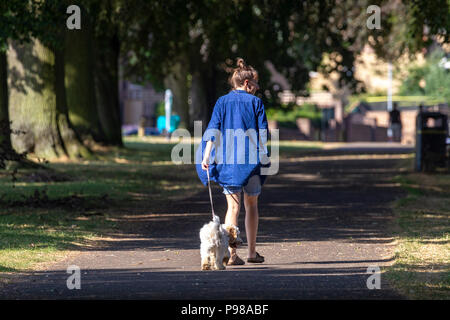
(205, 163)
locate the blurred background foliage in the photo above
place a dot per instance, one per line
(430, 79)
(190, 47)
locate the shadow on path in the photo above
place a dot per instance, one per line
(336, 200)
(262, 282)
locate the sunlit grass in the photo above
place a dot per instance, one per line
(422, 259)
(41, 221)
(31, 236)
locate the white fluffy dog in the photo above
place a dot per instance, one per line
(215, 240)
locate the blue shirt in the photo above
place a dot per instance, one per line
(238, 126)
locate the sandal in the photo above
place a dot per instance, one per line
(236, 262)
(257, 259)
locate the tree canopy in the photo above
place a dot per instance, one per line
(191, 47)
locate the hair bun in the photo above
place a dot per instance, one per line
(240, 63)
(241, 73)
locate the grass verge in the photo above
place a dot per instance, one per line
(31, 237)
(421, 269)
(45, 214)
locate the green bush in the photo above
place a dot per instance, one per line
(159, 109)
(436, 79)
(286, 115)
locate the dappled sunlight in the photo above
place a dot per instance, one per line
(158, 215)
(284, 219)
(422, 268)
(300, 176)
(345, 156)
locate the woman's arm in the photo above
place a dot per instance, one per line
(263, 128)
(205, 162)
(214, 123)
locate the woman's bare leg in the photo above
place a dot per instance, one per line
(251, 223)
(234, 206)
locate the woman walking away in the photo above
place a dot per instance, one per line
(238, 131)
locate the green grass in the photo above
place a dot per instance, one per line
(421, 269)
(141, 167)
(293, 149)
(34, 236)
(42, 221)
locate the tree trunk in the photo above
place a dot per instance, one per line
(5, 133)
(199, 107)
(71, 140)
(79, 81)
(210, 82)
(177, 82)
(37, 103)
(107, 87)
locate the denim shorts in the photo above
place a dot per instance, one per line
(252, 188)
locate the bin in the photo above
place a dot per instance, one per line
(431, 136)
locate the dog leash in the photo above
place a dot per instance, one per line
(210, 194)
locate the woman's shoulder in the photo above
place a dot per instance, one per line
(240, 95)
